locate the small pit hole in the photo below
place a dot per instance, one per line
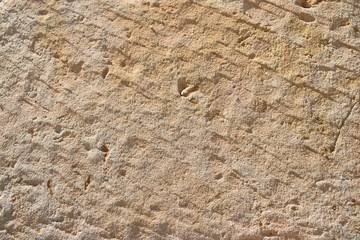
(58, 129)
(122, 172)
(77, 67)
(181, 84)
(248, 130)
(43, 12)
(304, 3)
(50, 187)
(155, 4)
(306, 17)
(87, 182)
(121, 203)
(154, 207)
(31, 131)
(218, 176)
(105, 72)
(104, 149)
(87, 146)
(251, 56)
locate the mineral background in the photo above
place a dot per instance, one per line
(182, 119)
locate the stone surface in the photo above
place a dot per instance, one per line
(184, 119)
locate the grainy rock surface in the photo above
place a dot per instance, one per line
(184, 119)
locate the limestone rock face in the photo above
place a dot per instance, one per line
(182, 119)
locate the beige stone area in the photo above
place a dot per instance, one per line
(181, 119)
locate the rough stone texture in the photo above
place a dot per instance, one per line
(201, 119)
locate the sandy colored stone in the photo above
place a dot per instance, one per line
(183, 119)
